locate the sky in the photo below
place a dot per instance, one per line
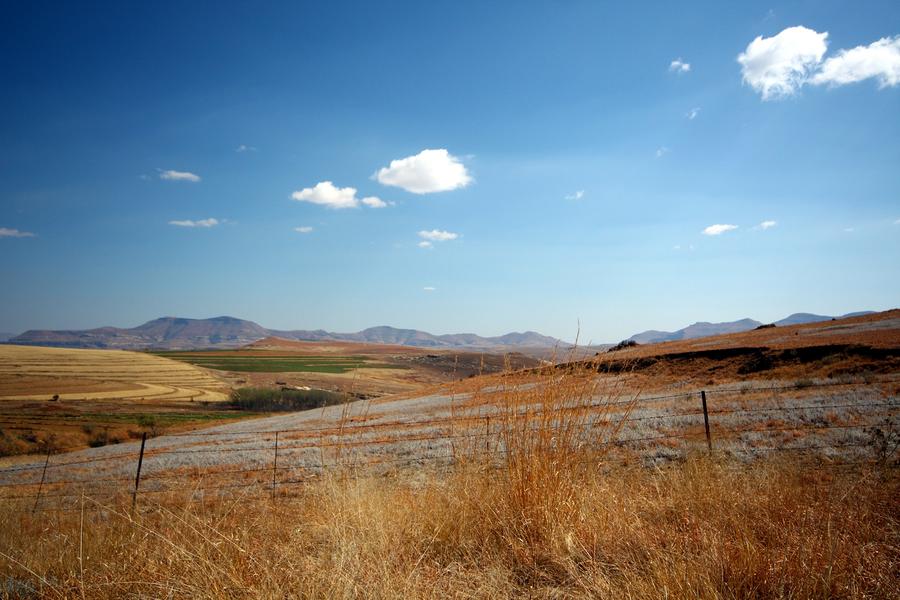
(575, 168)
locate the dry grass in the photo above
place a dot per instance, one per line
(548, 518)
(701, 529)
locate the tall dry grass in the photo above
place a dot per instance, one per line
(528, 510)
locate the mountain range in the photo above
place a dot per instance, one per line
(228, 332)
(704, 329)
(174, 333)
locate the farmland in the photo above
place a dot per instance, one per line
(267, 362)
(56, 399)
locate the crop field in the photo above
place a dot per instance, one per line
(56, 399)
(269, 362)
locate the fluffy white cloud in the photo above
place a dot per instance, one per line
(7, 232)
(426, 172)
(425, 244)
(303, 229)
(325, 193)
(679, 66)
(374, 202)
(767, 224)
(576, 196)
(879, 60)
(718, 229)
(245, 148)
(777, 66)
(429, 288)
(201, 223)
(692, 114)
(171, 175)
(437, 235)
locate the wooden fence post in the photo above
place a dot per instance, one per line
(43, 476)
(706, 421)
(275, 466)
(137, 477)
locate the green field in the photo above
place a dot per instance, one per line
(275, 364)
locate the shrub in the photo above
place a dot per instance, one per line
(272, 400)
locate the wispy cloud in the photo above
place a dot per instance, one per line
(374, 202)
(767, 225)
(201, 223)
(575, 196)
(879, 60)
(897, 222)
(14, 233)
(171, 175)
(718, 229)
(303, 229)
(426, 172)
(679, 66)
(780, 65)
(245, 148)
(661, 151)
(429, 288)
(438, 235)
(692, 114)
(425, 244)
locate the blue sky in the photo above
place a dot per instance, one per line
(582, 162)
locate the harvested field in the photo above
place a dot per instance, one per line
(101, 396)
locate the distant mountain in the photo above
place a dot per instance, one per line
(697, 330)
(703, 329)
(228, 332)
(6, 336)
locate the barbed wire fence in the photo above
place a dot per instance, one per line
(655, 428)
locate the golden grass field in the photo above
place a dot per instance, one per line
(578, 481)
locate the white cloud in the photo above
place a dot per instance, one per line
(303, 229)
(767, 224)
(897, 222)
(374, 202)
(326, 194)
(7, 232)
(426, 172)
(661, 151)
(718, 229)
(679, 66)
(850, 229)
(201, 223)
(429, 288)
(777, 66)
(576, 196)
(171, 175)
(879, 60)
(425, 244)
(692, 114)
(437, 235)
(245, 148)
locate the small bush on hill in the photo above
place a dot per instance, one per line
(273, 400)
